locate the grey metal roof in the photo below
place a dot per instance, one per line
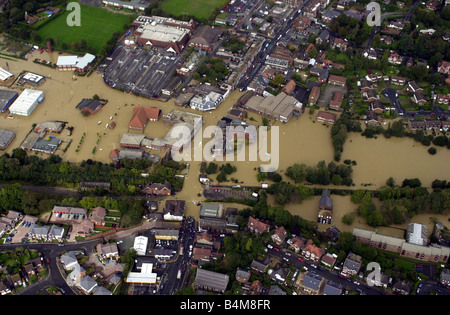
(211, 280)
(6, 137)
(312, 281)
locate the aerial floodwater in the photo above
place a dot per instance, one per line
(302, 140)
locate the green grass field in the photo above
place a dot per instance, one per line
(201, 9)
(97, 27)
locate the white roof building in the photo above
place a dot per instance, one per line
(417, 234)
(26, 102)
(5, 75)
(146, 275)
(74, 62)
(140, 245)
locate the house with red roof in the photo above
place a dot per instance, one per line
(141, 116)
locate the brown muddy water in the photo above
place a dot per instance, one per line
(301, 140)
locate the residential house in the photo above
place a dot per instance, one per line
(296, 243)
(370, 95)
(377, 106)
(242, 275)
(329, 260)
(332, 288)
(325, 208)
(256, 288)
(339, 43)
(337, 80)
(323, 37)
(201, 254)
(257, 227)
(332, 233)
(158, 189)
(419, 98)
(174, 210)
(87, 284)
(336, 101)
(39, 232)
(56, 233)
(444, 67)
(445, 277)
(90, 106)
(414, 86)
(314, 95)
(321, 73)
(279, 235)
(395, 58)
(433, 124)
(312, 284)
(398, 80)
(29, 269)
(402, 287)
(371, 118)
(260, 266)
(106, 251)
(141, 116)
(417, 125)
(279, 275)
(326, 117)
(374, 77)
(98, 216)
(352, 265)
(69, 260)
(443, 99)
(312, 252)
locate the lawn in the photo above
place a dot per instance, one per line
(97, 27)
(201, 9)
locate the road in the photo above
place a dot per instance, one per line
(52, 251)
(170, 281)
(267, 50)
(292, 258)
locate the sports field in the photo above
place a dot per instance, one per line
(97, 27)
(201, 9)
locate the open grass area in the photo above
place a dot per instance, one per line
(201, 9)
(97, 27)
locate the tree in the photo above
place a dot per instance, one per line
(11, 197)
(297, 172)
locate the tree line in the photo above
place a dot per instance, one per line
(400, 203)
(53, 171)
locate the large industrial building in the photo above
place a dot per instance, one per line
(279, 107)
(26, 102)
(167, 33)
(6, 99)
(6, 137)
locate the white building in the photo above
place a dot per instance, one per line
(5, 75)
(209, 102)
(140, 245)
(26, 102)
(146, 275)
(74, 62)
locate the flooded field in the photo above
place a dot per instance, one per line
(308, 209)
(398, 158)
(301, 140)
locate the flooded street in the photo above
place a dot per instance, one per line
(300, 140)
